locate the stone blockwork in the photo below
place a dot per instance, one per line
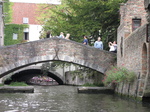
(129, 11)
(147, 7)
(72, 79)
(132, 9)
(21, 55)
(134, 58)
(133, 49)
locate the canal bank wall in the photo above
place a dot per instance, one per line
(133, 50)
(17, 89)
(81, 79)
(96, 90)
(133, 54)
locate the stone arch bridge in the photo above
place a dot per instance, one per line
(26, 73)
(15, 57)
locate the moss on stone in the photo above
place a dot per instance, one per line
(129, 96)
(147, 93)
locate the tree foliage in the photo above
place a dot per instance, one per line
(7, 9)
(82, 17)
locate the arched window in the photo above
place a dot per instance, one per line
(144, 60)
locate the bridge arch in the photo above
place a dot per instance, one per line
(18, 56)
(26, 74)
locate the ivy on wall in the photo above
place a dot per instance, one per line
(11, 29)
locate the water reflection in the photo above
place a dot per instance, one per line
(66, 99)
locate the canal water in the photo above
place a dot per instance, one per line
(66, 99)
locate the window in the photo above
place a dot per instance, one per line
(15, 36)
(26, 30)
(121, 46)
(26, 35)
(25, 20)
(136, 23)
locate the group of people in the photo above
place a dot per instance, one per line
(99, 44)
(62, 35)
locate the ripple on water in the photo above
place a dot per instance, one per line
(14, 111)
(66, 99)
(10, 105)
(24, 105)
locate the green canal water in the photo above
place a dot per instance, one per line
(66, 99)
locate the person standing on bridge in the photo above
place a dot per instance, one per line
(112, 48)
(85, 41)
(61, 35)
(98, 44)
(115, 46)
(67, 36)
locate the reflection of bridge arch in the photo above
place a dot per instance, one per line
(18, 56)
(26, 74)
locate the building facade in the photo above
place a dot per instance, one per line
(1, 24)
(132, 16)
(133, 48)
(25, 12)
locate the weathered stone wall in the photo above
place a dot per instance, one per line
(133, 48)
(132, 9)
(135, 58)
(147, 8)
(72, 79)
(21, 55)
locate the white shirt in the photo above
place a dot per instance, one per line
(112, 48)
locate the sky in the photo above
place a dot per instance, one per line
(37, 1)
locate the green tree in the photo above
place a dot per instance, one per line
(7, 8)
(82, 17)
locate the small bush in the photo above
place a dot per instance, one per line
(18, 84)
(1, 84)
(118, 74)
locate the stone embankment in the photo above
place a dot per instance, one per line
(17, 89)
(102, 90)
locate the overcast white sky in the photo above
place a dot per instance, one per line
(37, 1)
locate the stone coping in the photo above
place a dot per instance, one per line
(103, 90)
(16, 89)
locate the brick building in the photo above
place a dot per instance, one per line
(133, 46)
(1, 24)
(25, 12)
(133, 16)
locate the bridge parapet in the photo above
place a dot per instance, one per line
(18, 56)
